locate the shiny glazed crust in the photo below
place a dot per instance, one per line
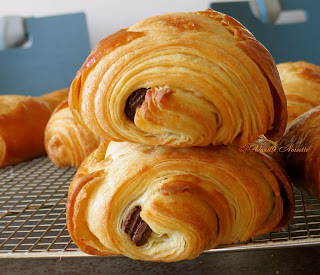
(22, 123)
(301, 84)
(192, 198)
(211, 82)
(67, 143)
(304, 167)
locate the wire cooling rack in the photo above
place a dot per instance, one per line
(33, 220)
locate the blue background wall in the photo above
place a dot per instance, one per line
(60, 45)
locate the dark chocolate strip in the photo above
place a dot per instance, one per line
(134, 101)
(138, 230)
(132, 221)
(142, 234)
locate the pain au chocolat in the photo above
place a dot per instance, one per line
(301, 84)
(169, 204)
(67, 143)
(181, 80)
(300, 149)
(22, 123)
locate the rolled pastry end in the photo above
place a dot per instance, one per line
(67, 143)
(58, 152)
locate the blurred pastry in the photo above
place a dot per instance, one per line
(181, 80)
(169, 204)
(300, 149)
(67, 142)
(301, 84)
(22, 123)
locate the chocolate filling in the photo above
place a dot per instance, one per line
(138, 230)
(134, 101)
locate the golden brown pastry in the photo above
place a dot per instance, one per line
(67, 142)
(181, 79)
(22, 123)
(169, 204)
(300, 149)
(301, 84)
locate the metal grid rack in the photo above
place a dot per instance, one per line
(33, 220)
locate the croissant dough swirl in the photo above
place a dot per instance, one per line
(191, 200)
(67, 143)
(301, 151)
(22, 123)
(181, 79)
(301, 84)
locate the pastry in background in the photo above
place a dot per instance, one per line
(170, 204)
(181, 80)
(300, 149)
(301, 84)
(22, 123)
(67, 142)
